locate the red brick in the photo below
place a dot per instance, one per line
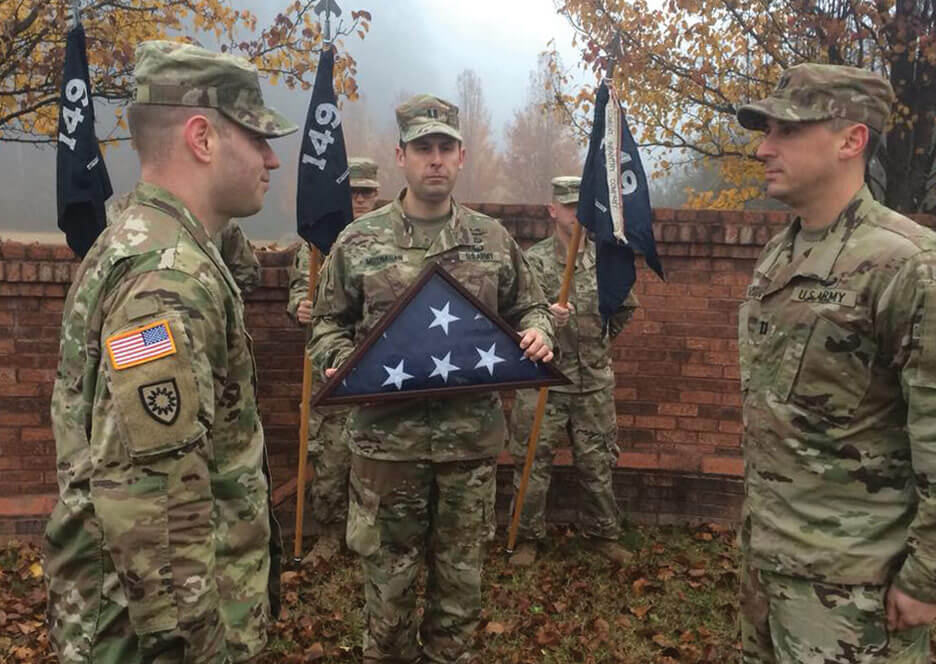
(17, 419)
(678, 409)
(35, 375)
(638, 460)
(10, 249)
(701, 371)
(655, 422)
(19, 390)
(31, 434)
(723, 465)
(697, 424)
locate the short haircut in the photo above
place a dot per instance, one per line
(151, 124)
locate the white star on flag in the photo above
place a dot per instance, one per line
(443, 367)
(396, 376)
(442, 317)
(488, 359)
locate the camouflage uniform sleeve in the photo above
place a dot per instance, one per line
(151, 484)
(298, 279)
(239, 257)
(337, 309)
(623, 315)
(911, 333)
(520, 299)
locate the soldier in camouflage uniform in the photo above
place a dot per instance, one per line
(838, 372)
(162, 546)
(233, 244)
(329, 454)
(582, 412)
(422, 470)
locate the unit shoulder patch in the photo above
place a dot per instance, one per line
(161, 400)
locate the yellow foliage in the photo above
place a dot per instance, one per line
(32, 49)
(683, 67)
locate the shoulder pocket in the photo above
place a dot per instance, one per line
(155, 393)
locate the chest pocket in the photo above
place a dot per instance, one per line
(827, 370)
(476, 270)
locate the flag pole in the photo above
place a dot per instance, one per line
(315, 262)
(571, 252)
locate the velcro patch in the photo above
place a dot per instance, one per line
(842, 298)
(141, 345)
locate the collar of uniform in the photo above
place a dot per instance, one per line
(453, 234)
(585, 258)
(168, 203)
(820, 261)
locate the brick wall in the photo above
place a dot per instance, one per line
(677, 394)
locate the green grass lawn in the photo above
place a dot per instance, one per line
(675, 602)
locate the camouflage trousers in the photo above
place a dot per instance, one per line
(789, 620)
(330, 459)
(588, 422)
(405, 515)
(88, 620)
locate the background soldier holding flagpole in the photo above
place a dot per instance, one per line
(162, 546)
(423, 470)
(327, 450)
(582, 411)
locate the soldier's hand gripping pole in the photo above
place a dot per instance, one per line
(314, 264)
(571, 252)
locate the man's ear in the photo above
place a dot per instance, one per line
(201, 138)
(854, 140)
(400, 153)
(551, 208)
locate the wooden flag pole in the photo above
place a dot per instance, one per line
(315, 262)
(571, 252)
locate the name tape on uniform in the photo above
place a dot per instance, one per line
(843, 298)
(142, 345)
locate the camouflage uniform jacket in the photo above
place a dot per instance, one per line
(164, 461)
(583, 354)
(371, 264)
(838, 372)
(231, 241)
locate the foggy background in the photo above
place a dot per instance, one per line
(413, 46)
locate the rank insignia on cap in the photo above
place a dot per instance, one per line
(142, 345)
(161, 400)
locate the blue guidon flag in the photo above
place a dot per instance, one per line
(614, 204)
(438, 340)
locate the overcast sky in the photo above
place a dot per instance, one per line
(415, 45)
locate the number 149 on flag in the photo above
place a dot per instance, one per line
(328, 117)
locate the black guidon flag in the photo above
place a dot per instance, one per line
(323, 194)
(614, 204)
(437, 340)
(82, 184)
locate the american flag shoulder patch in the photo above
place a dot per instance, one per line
(142, 345)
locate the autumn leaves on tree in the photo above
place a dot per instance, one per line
(33, 45)
(684, 66)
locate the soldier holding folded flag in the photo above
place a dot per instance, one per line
(422, 470)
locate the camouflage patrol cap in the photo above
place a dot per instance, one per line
(363, 173)
(175, 74)
(565, 189)
(810, 92)
(425, 114)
